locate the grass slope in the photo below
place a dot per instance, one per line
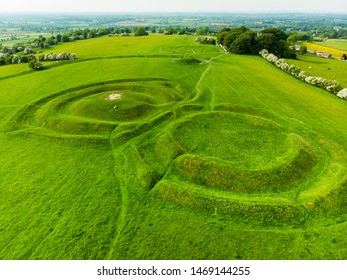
(224, 158)
(327, 68)
(136, 46)
(340, 44)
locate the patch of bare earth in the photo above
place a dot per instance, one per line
(114, 96)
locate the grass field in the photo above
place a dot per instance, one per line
(161, 148)
(22, 37)
(336, 49)
(340, 44)
(330, 69)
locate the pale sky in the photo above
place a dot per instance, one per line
(73, 6)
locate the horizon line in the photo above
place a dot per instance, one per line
(175, 12)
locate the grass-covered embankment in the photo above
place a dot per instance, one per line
(224, 158)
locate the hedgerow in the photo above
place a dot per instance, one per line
(330, 85)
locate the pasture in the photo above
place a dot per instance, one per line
(15, 36)
(340, 44)
(335, 49)
(331, 69)
(159, 147)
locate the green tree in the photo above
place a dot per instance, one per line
(8, 59)
(282, 49)
(306, 37)
(242, 44)
(203, 31)
(36, 65)
(231, 35)
(275, 41)
(293, 38)
(169, 30)
(221, 35)
(59, 38)
(51, 41)
(141, 31)
(181, 31)
(208, 40)
(245, 41)
(65, 38)
(278, 33)
(266, 41)
(84, 33)
(303, 49)
(102, 31)
(27, 57)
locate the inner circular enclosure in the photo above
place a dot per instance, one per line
(120, 102)
(245, 140)
(128, 106)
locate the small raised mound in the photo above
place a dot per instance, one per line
(245, 166)
(245, 140)
(97, 109)
(240, 153)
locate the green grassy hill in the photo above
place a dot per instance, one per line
(162, 148)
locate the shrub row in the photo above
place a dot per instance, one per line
(342, 93)
(60, 56)
(24, 58)
(15, 59)
(330, 85)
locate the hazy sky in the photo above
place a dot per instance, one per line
(339, 6)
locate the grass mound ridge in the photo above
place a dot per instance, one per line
(332, 180)
(59, 182)
(279, 193)
(258, 212)
(86, 110)
(212, 173)
(123, 135)
(244, 139)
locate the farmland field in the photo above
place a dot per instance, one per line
(340, 44)
(335, 49)
(331, 69)
(160, 147)
(21, 37)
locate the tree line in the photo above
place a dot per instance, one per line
(24, 52)
(243, 40)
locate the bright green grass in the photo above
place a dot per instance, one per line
(340, 44)
(235, 133)
(51, 211)
(13, 69)
(327, 68)
(227, 158)
(172, 45)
